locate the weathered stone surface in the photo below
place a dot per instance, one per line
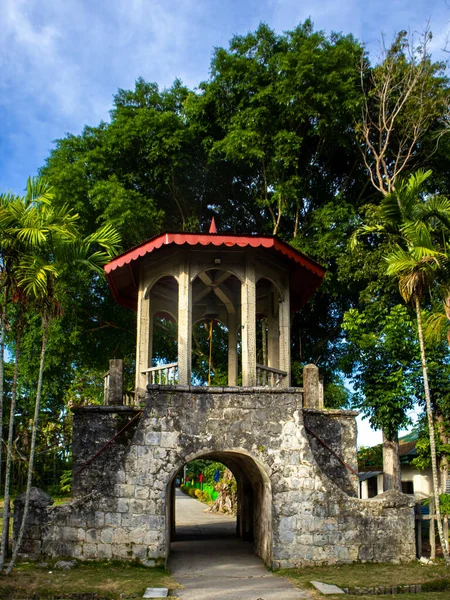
(311, 387)
(336, 429)
(156, 593)
(36, 519)
(327, 588)
(296, 500)
(65, 564)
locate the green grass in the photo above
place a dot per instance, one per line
(435, 579)
(109, 580)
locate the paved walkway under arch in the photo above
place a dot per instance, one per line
(210, 562)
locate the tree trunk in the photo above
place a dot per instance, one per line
(2, 375)
(392, 477)
(4, 547)
(32, 448)
(432, 528)
(443, 461)
(431, 432)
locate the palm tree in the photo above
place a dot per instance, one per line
(416, 269)
(49, 242)
(419, 224)
(419, 260)
(402, 205)
(11, 210)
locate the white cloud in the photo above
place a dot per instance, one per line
(61, 62)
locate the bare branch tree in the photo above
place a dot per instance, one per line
(404, 96)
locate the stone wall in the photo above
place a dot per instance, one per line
(36, 520)
(335, 430)
(122, 507)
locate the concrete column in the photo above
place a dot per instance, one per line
(273, 354)
(184, 325)
(248, 320)
(364, 489)
(232, 350)
(144, 342)
(380, 484)
(115, 387)
(312, 397)
(285, 338)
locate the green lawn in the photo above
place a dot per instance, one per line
(435, 579)
(109, 580)
(113, 580)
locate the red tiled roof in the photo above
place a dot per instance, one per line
(315, 270)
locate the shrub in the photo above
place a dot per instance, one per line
(204, 497)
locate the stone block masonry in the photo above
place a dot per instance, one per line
(296, 502)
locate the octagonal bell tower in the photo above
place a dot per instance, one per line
(235, 279)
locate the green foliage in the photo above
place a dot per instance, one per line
(370, 458)
(200, 353)
(336, 394)
(66, 482)
(207, 467)
(405, 98)
(444, 503)
(382, 358)
(423, 459)
(210, 470)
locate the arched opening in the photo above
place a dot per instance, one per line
(216, 298)
(254, 502)
(210, 341)
(163, 331)
(268, 299)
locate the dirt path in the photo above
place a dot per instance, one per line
(211, 562)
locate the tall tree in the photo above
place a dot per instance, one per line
(12, 209)
(404, 213)
(405, 97)
(278, 111)
(381, 357)
(415, 267)
(49, 242)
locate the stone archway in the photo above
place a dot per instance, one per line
(254, 513)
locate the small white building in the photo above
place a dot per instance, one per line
(414, 482)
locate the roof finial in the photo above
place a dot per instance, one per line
(212, 227)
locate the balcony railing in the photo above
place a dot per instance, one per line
(268, 376)
(162, 374)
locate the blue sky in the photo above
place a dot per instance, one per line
(61, 62)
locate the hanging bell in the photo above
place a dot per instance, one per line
(211, 310)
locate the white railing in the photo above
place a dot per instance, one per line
(268, 376)
(128, 398)
(162, 374)
(105, 387)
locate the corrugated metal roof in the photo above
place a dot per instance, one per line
(368, 474)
